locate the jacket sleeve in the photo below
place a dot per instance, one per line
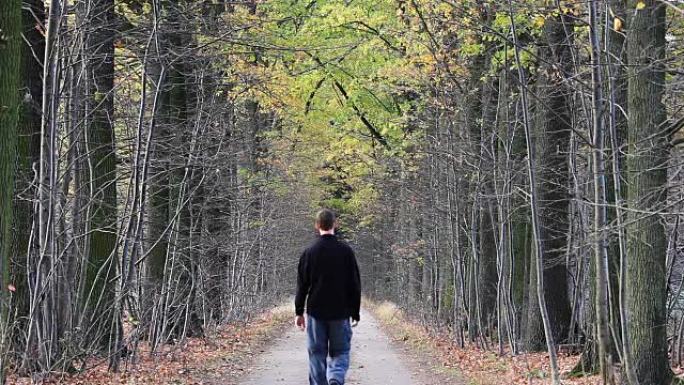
(303, 284)
(355, 292)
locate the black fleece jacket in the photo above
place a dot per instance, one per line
(328, 281)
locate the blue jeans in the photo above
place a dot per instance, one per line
(329, 343)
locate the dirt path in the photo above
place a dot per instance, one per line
(374, 360)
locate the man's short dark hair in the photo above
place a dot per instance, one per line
(325, 219)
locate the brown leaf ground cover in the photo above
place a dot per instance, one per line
(219, 358)
(477, 366)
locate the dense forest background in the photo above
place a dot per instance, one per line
(510, 171)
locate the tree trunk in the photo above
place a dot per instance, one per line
(28, 146)
(100, 144)
(537, 228)
(617, 187)
(487, 274)
(521, 229)
(647, 177)
(552, 137)
(602, 330)
(617, 134)
(10, 61)
(171, 272)
(472, 116)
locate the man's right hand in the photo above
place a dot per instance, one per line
(300, 322)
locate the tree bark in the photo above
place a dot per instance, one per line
(487, 274)
(647, 179)
(100, 144)
(600, 215)
(10, 61)
(472, 116)
(28, 145)
(537, 228)
(551, 139)
(615, 186)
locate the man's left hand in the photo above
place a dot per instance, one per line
(300, 322)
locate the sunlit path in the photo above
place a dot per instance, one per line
(374, 360)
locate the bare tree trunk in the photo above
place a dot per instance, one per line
(28, 150)
(617, 131)
(551, 138)
(10, 61)
(600, 216)
(44, 289)
(536, 228)
(487, 272)
(101, 260)
(647, 177)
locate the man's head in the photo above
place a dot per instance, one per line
(325, 220)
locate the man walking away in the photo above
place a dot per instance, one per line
(328, 281)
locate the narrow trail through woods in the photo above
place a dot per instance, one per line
(374, 360)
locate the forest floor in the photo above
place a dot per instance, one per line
(220, 358)
(388, 348)
(266, 351)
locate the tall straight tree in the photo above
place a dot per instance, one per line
(616, 186)
(487, 274)
(28, 146)
(600, 216)
(616, 88)
(479, 115)
(10, 59)
(553, 127)
(164, 199)
(101, 172)
(647, 178)
(472, 114)
(537, 227)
